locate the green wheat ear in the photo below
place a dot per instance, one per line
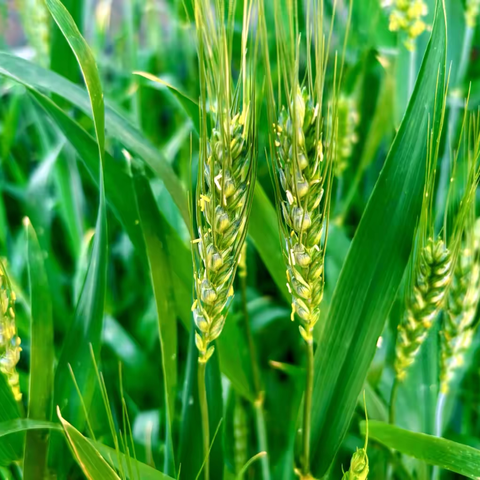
(430, 272)
(9, 340)
(407, 16)
(305, 178)
(226, 176)
(433, 275)
(359, 466)
(463, 297)
(459, 323)
(348, 121)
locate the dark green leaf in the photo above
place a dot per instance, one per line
(40, 397)
(446, 454)
(375, 264)
(160, 268)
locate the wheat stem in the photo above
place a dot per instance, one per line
(393, 401)
(251, 344)
(262, 436)
(258, 404)
(307, 408)
(412, 71)
(202, 396)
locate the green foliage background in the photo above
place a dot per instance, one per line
(127, 289)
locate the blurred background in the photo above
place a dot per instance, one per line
(42, 177)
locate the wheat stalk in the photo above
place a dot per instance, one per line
(9, 340)
(225, 183)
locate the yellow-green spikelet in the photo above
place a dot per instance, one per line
(407, 16)
(9, 340)
(240, 434)
(347, 133)
(359, 467)
(222, 227)
(459, 322)
(472, 11)
(433, 275)
(302, 179)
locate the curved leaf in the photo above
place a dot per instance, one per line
(86, 329)
(375, 263)
(145, 471)
(91, 462)
(452, 456)
(160, 267)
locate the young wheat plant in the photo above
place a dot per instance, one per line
(226, 180)
(303, 145)
(9, 340)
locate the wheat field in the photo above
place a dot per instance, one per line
(239, 239)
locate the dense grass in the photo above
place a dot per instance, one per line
(105, 193)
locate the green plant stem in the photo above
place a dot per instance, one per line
(248, 330)
(307, 410)
(393, 401)
(412, 72)
(202, 396)
(439, 426)
(262, 437)
(439, 414)
(258, 404)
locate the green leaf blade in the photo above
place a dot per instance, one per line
(375, 264)
(453, 456)
(160, 268)
(91, 462)
(40, 399)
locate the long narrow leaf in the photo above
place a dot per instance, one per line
(160, 268)
(40, 398)
(86, 328)
(375, 263)
(117, 125)
(145, 471)
(91, 462)
(263, 223)
(452, 456)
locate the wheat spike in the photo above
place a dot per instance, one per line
(359, 466)
(224, 192)
(305, 180)
(407, 16)
(9, 340)
(462, 301)
(433, 274)
(348, 121)
(472, 11)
